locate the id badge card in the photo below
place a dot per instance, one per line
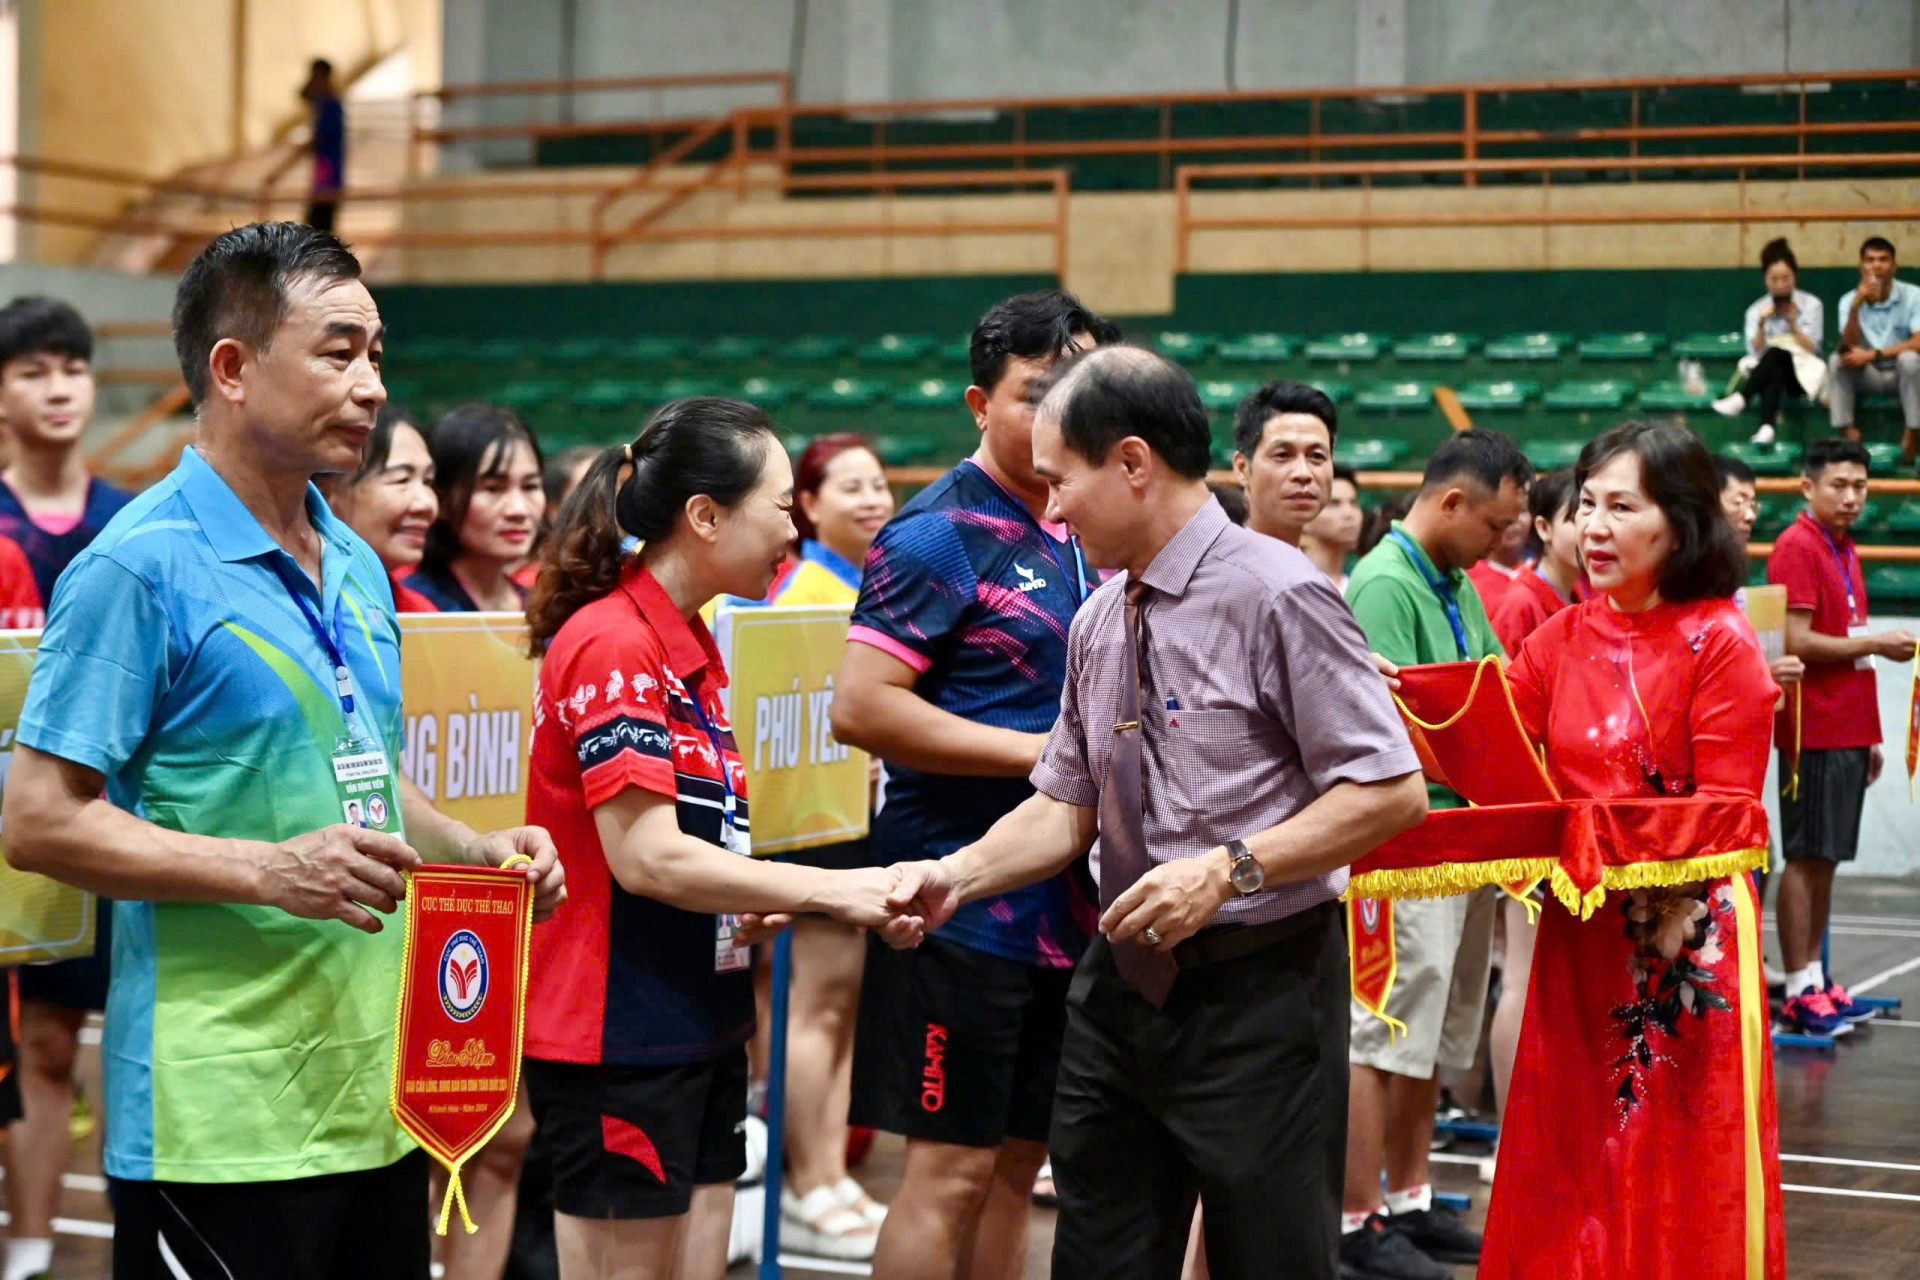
(1865, 661)
(364, 781)
(728, 958)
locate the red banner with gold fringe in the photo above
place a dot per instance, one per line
(463, 991)
(1371, 962)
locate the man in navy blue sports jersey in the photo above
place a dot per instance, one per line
(952, 676)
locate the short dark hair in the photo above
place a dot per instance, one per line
(1550, 493)
(1343, 472)
(1822, 454)
(1727, 469)
(1283, 395)
(320, 66)
(1105, 395)
(1232, 499)
(1778, 250)
(1881, 243)
(237, 287)
(1484, 457)
(32, 325)
(1031, 325)
(1677, 472)
(469, 444)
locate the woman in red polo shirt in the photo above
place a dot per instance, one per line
(641, 997)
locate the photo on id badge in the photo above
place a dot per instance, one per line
(364, 780)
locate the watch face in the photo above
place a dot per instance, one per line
(1248, 875)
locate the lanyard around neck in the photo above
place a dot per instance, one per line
(1440, 587)
(329, 638)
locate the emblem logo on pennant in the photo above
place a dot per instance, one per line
(1370, 914)
(463, 975)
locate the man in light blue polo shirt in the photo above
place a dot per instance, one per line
(1879, 345)
(224, 659)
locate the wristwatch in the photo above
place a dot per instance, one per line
(1246, 873)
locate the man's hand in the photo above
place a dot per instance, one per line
(1856, 357)
(1175, 899)
(1787, 670)
(1876, 761)
(1387, 669)
(336, 873)
(923, 898)
(549, 879)
(754, 929)
(1897, 645)
(862, 897)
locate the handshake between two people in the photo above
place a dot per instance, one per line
(903, 903)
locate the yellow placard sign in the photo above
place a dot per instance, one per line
(804, 788)
(467, 685)
(1767, 611)
(40, 919)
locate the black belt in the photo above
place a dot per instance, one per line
(1220, 943)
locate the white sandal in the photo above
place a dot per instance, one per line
(855, 1197)
(820, 1225)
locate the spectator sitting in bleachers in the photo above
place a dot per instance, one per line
(1879, 350)
(1784, 330)
(1331, 536)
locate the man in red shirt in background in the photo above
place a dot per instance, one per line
(1494, 576)
(1835, 721)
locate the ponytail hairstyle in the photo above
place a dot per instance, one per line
(699, 445)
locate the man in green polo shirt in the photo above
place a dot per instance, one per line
(223, 660)
(1413, 599)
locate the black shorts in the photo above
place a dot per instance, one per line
(633, 1142)
(1824, 821)
(370, 1225)
(954, 1045)
(80, 983)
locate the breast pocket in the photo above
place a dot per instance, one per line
(1209, 752)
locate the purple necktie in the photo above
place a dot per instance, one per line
(1123, 835)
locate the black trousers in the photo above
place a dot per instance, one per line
(1772, 381)
(370, 1225)
(1235, 1093)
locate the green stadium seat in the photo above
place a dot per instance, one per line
(528, 395)
(813, 349)
(652, 351)
(1351, 347)
(955, 353)
(1711, 346)
(1885, 455)
(1668, 396)
(1335, 389)
(768, 393)
(503, 352)
(1257, 348)
(845, 393)
(1620, 346)
(1893, 581)
(1183, 347)
(681, 388)
(894, 348)
(929, 394)
(1508, 395)
(729, 350)
(609, 394)
(1435, 347)
(1873, 518)
(1551, 455)
(1395, 397)
(1905, 519)
(1779, 459)
(908, 450)
(430, 351)
(1371, 453)
(576, 351)
(1224, 396)
(1527, 346)
(1596, 395)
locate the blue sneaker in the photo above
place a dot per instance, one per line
(1811, 1013)
(1844, 1004)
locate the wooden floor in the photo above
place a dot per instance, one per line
(1849, 1127)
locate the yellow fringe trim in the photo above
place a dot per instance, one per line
(1446, 879)
(1524, 897)
(1651, 875)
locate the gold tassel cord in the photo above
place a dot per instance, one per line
(455, 1195)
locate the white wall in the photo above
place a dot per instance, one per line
(871, 50)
